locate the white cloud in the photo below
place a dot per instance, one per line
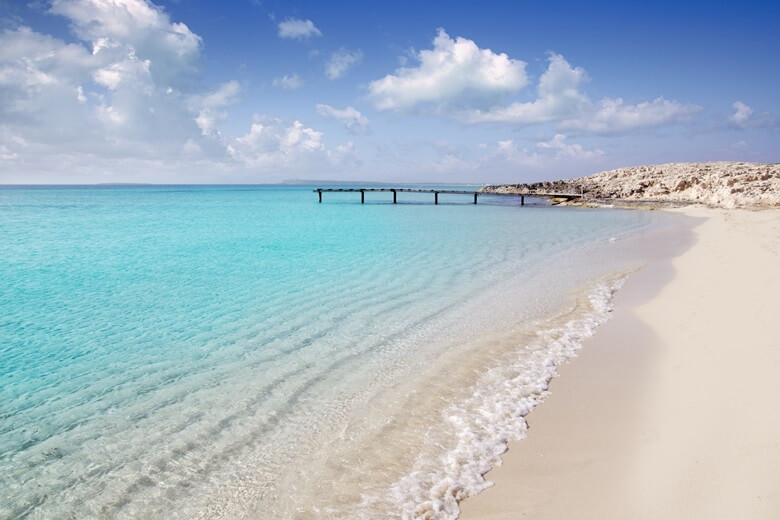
(132, 53)
(350, 117)
(6, 154)
(114, 26)
(561, 100)
(206, 121)
(344, 156)
(226, 95)
(210, 106)
(745, 117)
(507, 158)
(507, 153)
(341, 61)
(545, 155)
(741, 114)
(298, 29)
(563, 150)
(30, 59)
(449, 163)
(454, 72)
(274, 143)
(191, 149)
(130, 70)
(121, 101)
(613, 115)
(288, 82)
(558, 96)
(109, 77)
(40, 78)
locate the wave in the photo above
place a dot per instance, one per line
(485, 422)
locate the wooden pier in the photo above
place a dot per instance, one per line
(395, 191)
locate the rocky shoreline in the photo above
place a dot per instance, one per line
(715, 184)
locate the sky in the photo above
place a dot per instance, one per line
(256, 91)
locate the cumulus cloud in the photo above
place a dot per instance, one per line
(6, 154)
(31, 62)
(506, 158)
(225, 95)
(468, 83)
(544, 155)
(117, 91)
(117, 25)
(454, 72)
(123, 100)
(298, 29)
(560, 99)
(745, 117)
(450, 163)
(288, 82)
(741, 114)
(350, 117)
(558, 92)
(613, 115)
(273, 143)
(553, 149)
(563, 150)
(341, 61)
(210, 105)
(507, 152)
(45, 85)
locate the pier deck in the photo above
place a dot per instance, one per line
(395, 191)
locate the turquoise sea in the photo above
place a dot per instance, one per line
(245, 352)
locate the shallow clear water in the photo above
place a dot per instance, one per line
(199, 350)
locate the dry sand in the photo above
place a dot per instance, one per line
(672, 410)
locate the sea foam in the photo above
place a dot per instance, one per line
(490, 417)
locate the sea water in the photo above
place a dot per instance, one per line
(246, 352)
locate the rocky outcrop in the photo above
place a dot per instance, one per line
(721, 184)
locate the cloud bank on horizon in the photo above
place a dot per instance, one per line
(128, 92)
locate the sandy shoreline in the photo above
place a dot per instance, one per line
(670, 409)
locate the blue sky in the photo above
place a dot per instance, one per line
(258, 91)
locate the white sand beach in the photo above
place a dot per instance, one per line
(671, 409)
